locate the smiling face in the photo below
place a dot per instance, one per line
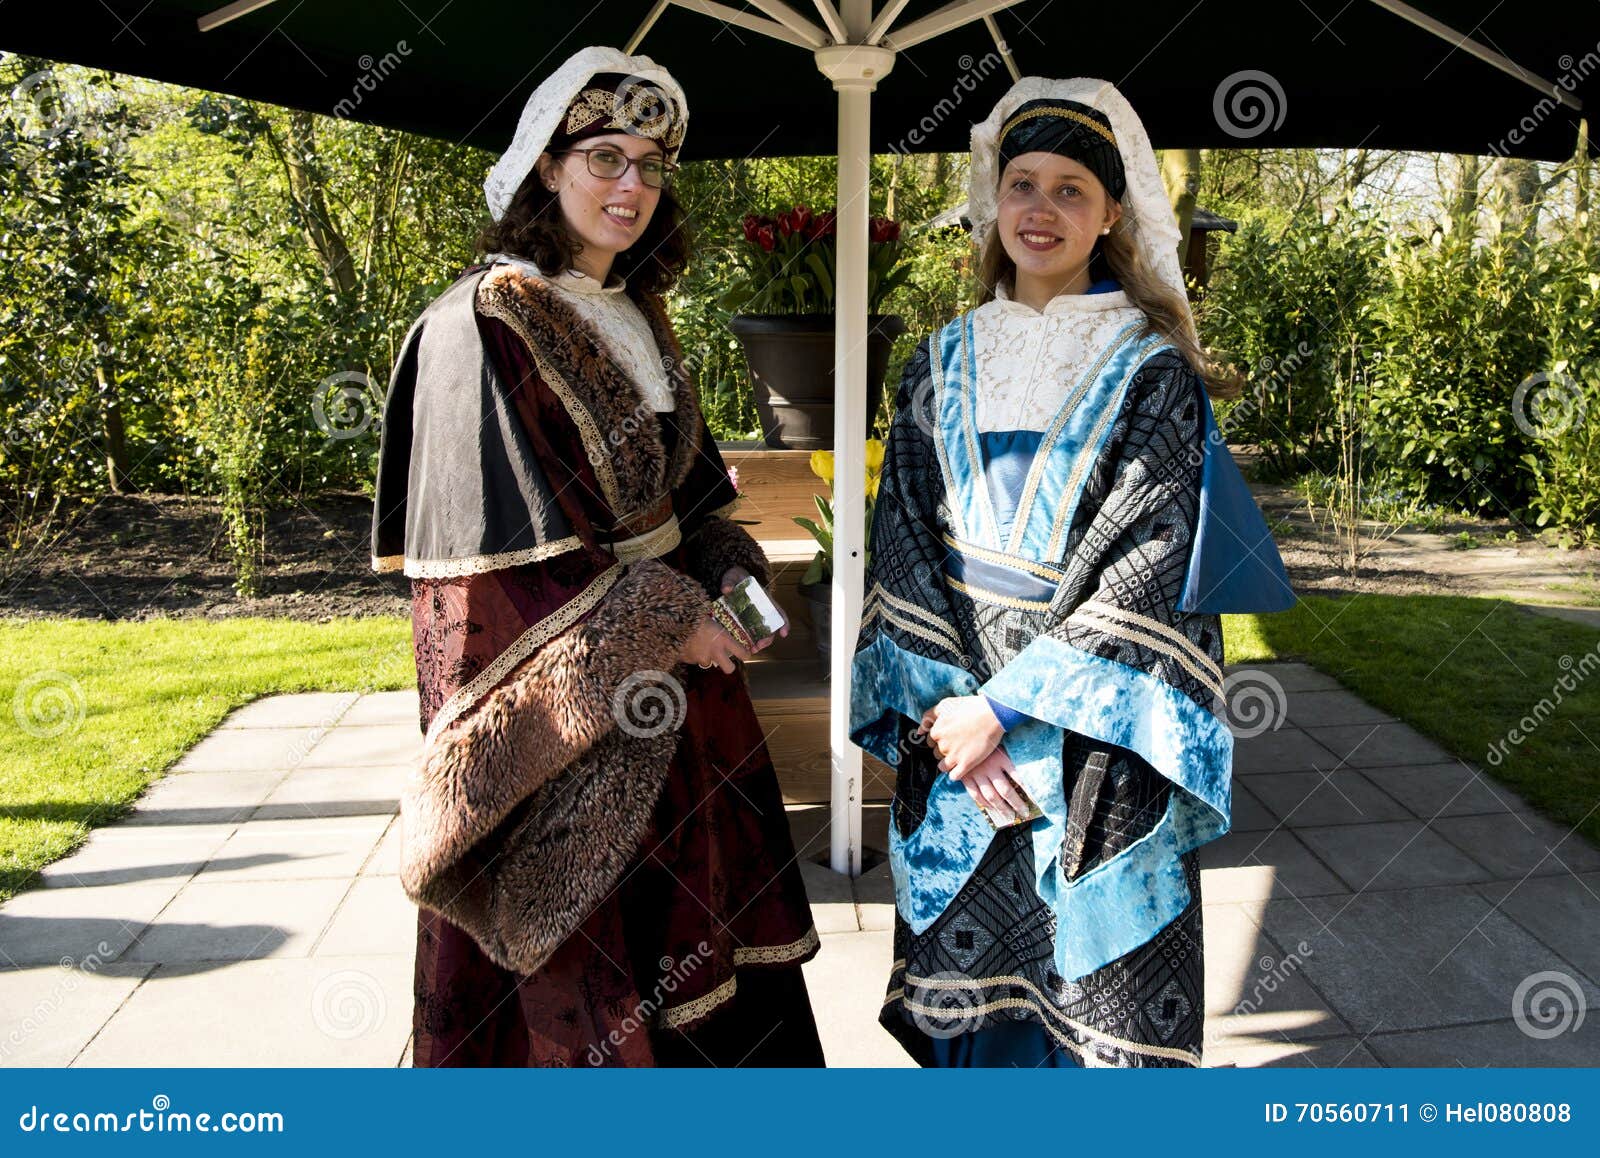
(1051, 212)
(605, 215)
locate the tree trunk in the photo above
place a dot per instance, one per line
(1463, 220)
(119, 475)
(298, 153)
(1519, 179)
(1180, 172)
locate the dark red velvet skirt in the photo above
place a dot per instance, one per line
(694, 958)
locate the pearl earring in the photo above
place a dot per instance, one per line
(1105, 231)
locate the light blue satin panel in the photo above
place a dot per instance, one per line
(1007, 455)
(1122, 903)
(956, 434)
(1234, 565)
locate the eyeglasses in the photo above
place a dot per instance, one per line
(613, 163)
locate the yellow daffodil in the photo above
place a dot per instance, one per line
(872, 486)
(874, 456)
(822, 465)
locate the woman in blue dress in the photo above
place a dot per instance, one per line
(1058, 527)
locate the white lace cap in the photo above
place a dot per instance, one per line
(548, 105)
(1145, 208)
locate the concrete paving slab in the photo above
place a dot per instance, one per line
(1563, 912)
(198, 798)
(1254, 988)
(1284, 749)
(1249, 814)
(1329, 1053)
(47, 926)
(293, 710)
(321, 1011)
(49, 1013)
(335, 846)
(1514, 845)
(375, 919)
(385, 859)
(1496, 1043)
(1376, 745)
(847, 980)
(1394, 854)
(124, 853)
(1247, 866)
(1341, 796)
(1412, 958)
(251, 750)
(385, 708)
(1291, 676)
(329, 791)
(240, 920)
(375, 746)
(1453, 788)
(1311, 709)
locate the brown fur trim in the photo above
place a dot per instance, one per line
(569, 346)
(721, 543)
(554, 772)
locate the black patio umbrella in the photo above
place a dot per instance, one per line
(1459, 76)
(1455, 76)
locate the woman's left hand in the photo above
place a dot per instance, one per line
(731, 578)
(963, 731)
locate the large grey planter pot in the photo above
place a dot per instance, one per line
(791, 365)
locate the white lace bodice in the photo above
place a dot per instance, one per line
(1027, 360)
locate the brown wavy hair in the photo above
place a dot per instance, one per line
(534, 228)
(1166, 312)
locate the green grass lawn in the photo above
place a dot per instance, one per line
(1463, 672)
(130, 698)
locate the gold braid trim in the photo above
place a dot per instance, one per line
(477, 564)
(594, 443)
(676, 1015)
(1111, 611)
(725, 510)
(1041, 1007)
(1016, 562)
(879, 592)
(1057, 111)
(1153, 642)
(650, 545)
(525, 644)
(998, 599)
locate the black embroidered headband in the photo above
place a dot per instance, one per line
(1071, 129)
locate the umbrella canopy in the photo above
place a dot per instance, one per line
(1227, 72)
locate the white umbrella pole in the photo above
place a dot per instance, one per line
(854, 70)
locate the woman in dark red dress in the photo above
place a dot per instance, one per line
(594, 834)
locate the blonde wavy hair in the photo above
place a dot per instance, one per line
(1165, 312)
